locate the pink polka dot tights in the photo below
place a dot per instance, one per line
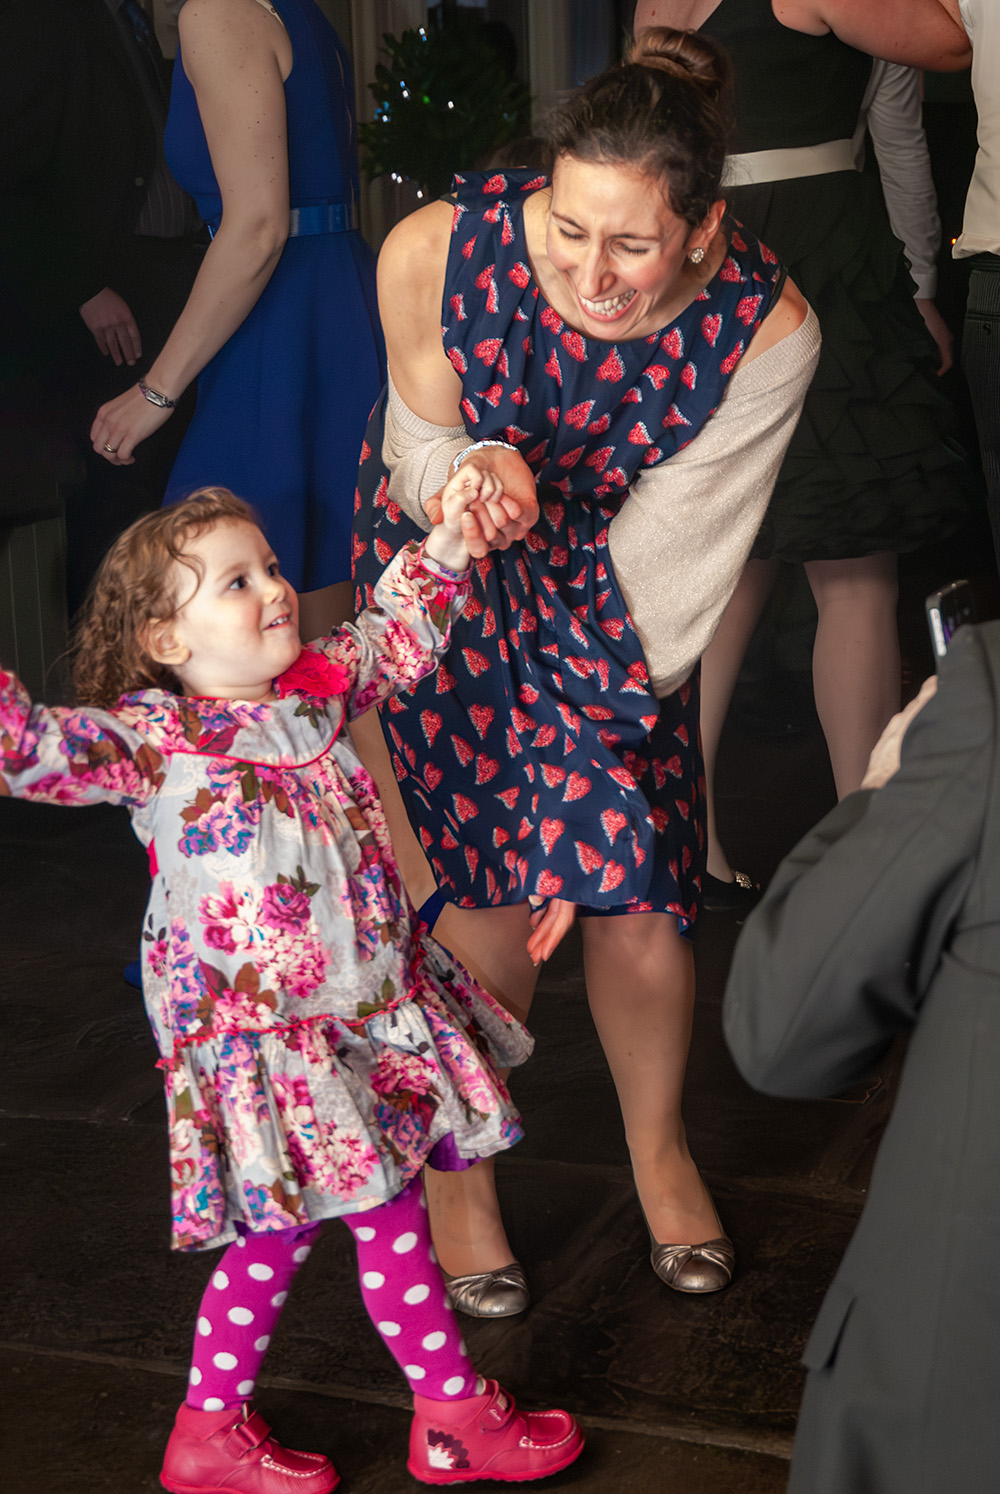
(400, 1283)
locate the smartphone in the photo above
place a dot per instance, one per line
(947, 610)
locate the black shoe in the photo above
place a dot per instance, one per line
(737, 896)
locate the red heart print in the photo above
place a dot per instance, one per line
(589, 858)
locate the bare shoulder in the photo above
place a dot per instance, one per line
(781, 321)
(233, 45)
(414, 256)
(422, 238)
(229, 24)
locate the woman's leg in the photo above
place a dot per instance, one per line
(644, 1023)
(720, 667)
(856, 669)
(469, 1235)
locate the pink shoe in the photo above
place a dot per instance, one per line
(485, 1436)
(233, 1452)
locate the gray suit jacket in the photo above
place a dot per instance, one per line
(886, 918)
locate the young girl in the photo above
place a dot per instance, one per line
(316, 1045)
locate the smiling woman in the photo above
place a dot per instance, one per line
(629, 370)
(618, 258)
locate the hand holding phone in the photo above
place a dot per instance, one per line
(947, 610)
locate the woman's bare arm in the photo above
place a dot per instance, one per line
(922, 33)
(411, 275)
(411, 279)
(236, 55)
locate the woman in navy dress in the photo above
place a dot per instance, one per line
(281, 328)
(592, 325)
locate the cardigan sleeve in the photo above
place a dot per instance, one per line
(69, 755)
(418, 456)
(681, 539)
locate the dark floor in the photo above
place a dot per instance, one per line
(679, 1395)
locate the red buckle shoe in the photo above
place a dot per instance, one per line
(233, 1452)
(486, 1436)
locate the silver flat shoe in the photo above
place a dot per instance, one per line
(694, 1268)
(491, 1294)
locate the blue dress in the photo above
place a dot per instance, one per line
(282, 407)
(537, 760)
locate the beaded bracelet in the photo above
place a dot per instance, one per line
(477, 446)
(155, 398)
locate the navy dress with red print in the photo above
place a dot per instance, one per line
(537, 760)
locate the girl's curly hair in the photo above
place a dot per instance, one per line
(135, 585)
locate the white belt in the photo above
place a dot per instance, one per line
(781, 165)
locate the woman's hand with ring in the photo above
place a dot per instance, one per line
(122, 423)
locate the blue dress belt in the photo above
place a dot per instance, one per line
(317, 217)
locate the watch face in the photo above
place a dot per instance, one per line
(155, 398)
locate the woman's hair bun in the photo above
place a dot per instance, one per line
(665, 110)
(682, 54)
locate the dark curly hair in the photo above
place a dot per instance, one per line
(135, 585)
(666, 111)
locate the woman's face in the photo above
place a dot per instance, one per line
(619, 247)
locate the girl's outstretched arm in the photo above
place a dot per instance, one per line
(69, 755)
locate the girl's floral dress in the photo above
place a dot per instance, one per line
(317, 1046)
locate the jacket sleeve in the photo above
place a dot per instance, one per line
(64, 755)
(840, 953)
(404, 635)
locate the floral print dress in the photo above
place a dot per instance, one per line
(316, 1045)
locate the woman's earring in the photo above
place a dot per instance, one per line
(696, 255)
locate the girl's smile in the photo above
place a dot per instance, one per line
(237, 627)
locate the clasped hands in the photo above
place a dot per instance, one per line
(504, 503)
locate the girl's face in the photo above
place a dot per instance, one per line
(237, 627)
(620, 249)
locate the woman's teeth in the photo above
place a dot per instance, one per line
(607, 308)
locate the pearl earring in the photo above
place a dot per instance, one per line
(696, 255)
